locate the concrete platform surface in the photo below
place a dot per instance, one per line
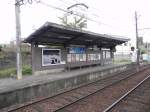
(9, 84)
(32, 88)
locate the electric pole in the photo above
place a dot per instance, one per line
(18, 3)
(18, 41)
(147, 51)
(137, 45)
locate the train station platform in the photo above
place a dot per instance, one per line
(31, 88)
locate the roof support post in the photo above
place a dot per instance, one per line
(112, 50)
(102, 58)
(33, 45)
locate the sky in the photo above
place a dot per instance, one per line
(114, 17)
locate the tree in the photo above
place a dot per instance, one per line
(79, 22)
(0, 48)
(142, 50)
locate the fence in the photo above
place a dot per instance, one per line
(121, 57)
(9, 60)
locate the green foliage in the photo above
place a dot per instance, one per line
(7, 72)
(142, 49)
(0, 48)
(76, 22)
(123, 61)
(26, 70)
(2, 55)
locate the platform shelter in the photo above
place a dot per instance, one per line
(56, 47)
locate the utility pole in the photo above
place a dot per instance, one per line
(18, 41)
(137, 45)
(18, 3)
(147, 51)
(147, 48)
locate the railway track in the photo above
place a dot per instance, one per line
(69, 98)
(135, 100)
(101, 100)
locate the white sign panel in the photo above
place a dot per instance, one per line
(51, 57)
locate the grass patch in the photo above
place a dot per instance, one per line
(7, 72)
(26, 70)
(124, 61)
(10, 72)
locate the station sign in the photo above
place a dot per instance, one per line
(77, 50)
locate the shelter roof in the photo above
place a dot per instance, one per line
(55, 34)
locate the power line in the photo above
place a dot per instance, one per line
(18, 3)
(77, 4)
(54, 7)
(64, 2)
(144, 29)
(24, 2)
(69, 3)
(90, 13)
(67, 11)
(90, 7)
(73, 13)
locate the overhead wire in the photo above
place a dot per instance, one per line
(76, 14)
(91, 7)
(89, 12)
(67, 11)
(69, 3)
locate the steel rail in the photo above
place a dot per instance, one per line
(84, 85)
(69, 90)
(126, 94)
(65, 106)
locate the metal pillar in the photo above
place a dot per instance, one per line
(18, 42)
(137, 45)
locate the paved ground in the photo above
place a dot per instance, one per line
(12, 83)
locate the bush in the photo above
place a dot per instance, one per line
(26, 70)
(0, 48)
(124, 61)
(7, 72)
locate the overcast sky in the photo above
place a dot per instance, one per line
(115, 17)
